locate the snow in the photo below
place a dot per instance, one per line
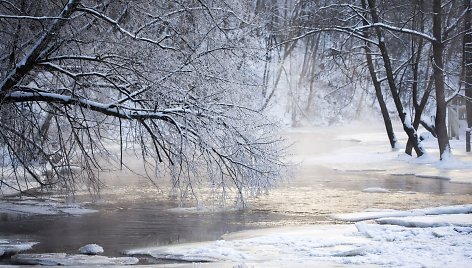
(372, 215)
(377, 214)
(63, 259)
(370, 150)
(442, 241)
(91, 249)
(32, 206)
(8, 247)
(430, 220)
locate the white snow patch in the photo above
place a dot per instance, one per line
(195, 252)
(377, 214)
(372, 215)
(91, 249)
(63, 259)
(464, 220)
(8, 247)
(41, 207)
(372, 150)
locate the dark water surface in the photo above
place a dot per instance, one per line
(130, 226)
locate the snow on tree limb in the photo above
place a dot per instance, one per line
(27, 62)
(179, 91)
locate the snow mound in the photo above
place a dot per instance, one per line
(91, 249)
(63, 259)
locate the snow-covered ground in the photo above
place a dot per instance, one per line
(372, 153)
(432, 237)
(446, 244)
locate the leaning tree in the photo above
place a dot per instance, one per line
(173, 80)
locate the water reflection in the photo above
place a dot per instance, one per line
(137, 215)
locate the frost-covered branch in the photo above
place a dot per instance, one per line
(115, 24)
(399, 29)
(35, 53)
(180, 92)
(16, 17)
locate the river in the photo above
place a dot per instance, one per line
(133, 213)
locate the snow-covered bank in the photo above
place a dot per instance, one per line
(444, 240)
(38, 206)
(369, 150)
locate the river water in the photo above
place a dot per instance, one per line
(133, 213)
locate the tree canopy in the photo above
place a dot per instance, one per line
(171, 79)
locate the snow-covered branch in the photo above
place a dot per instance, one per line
(398, 29)
(17, 17)
(115, 24)
(35, 53)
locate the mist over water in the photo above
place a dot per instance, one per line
(133, 213)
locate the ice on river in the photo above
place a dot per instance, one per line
(36, 206)
(63, 259)
(373, 214)
(404, 239)
(10, 247)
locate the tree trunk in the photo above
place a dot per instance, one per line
(467, 50)
(407, 127)
(311, 93)
(438, 67)
(288, 48)
(378, 89)
(383, 107)
(28, 61)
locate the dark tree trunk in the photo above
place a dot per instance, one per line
(311, 92)
(467, 43)
(419, 108)
(438, 67)
(417, 51)
(378, 89)
(407, 127)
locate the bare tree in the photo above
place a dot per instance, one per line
(407, 49)
(467, 63)
(377, 84)
(165, 78)
(438, 67)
